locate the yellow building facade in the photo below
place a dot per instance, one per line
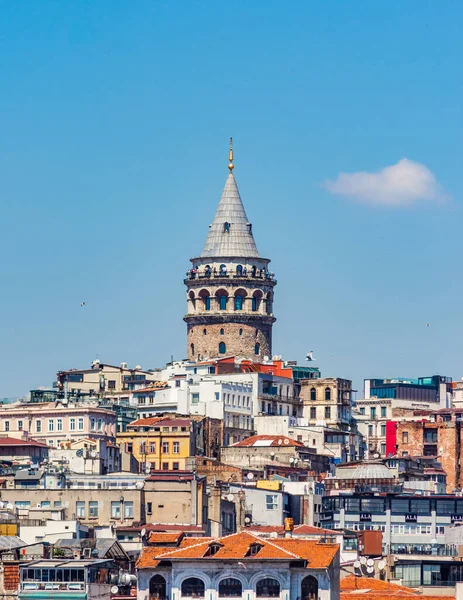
(162, 443)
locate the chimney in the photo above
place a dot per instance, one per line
(289, 526)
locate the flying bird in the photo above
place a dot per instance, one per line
(83, 304)
(242, 565)
(310, 356)
(428, 325)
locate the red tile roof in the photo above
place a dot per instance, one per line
(8, 441)
(275, 440)
(365, 588)
(163, 537)
(237, 546)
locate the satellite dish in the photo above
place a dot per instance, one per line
(140, 485)
(357, 564)
(370, 569)
(143, 532)
(363, 560)
(382, 565)
(247, 520)
(280, 442)
(250, 476)
(79, 452)
(286, 442)
(291, 460)
(230, 497)
(370, 562)
(114, 589)
(93, 453)
(266, 358)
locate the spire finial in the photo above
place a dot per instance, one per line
(231, 166)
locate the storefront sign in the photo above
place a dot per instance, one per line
(411, 518)
(326, 516)
(365, 516)
(457, 518)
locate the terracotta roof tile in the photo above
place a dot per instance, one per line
(352, 583)
(237, 546)
(162, 537)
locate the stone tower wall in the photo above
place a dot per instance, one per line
(240, 339)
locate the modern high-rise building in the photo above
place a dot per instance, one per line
(230, 287)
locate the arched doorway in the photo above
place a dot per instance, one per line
(309, 588)
(157, 588)
(230, 588)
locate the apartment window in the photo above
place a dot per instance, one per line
(111, 384)
(59, 424)
(194, 398)
(38, 426)
(130, 447)
(45, 504)
(362, 410)
(20, 425)
(165, 466)
(72, 424)
(152, 447)
(176, 447)
(142, 447)
(7, 426)
(116, 510)
(383, 429)
(50, 442)
(313, 412)
(373, 412)
(384, 411)
(99, 424)
(93, 508)
(165, 447)
(128, 510)
(217, 395)
(404, 437)
(383, 449)
(175, 466)
(370, 430)
(51, 425)
(57, 504)
(149, 508)
(313, 394)
(327, 393)
(327, 412)
(92, 424)
(22, 504)
(81, 423)
(80, 509)
(177, 383)
(271, 501)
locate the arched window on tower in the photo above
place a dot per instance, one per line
(223, 302)
(256, 300)
(206, 299)
(313, 394)
(257, 349)
(238, 302)
(241, 332)
(204, 331)
(222, 348)
(327, 393)
(239, 270)
(226, 227)
(192, 348)
(222, 332)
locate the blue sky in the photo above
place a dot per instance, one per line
(113, 152)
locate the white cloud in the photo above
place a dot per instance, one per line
(401, 184)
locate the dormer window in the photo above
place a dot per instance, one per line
(254, 549)
(213, 549)
(226, 227)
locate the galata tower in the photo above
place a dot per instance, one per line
(230, 287)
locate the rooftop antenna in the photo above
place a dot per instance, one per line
(231, 166)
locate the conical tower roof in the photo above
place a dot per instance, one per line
(230, 234)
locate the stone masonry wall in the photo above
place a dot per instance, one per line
(240, 340)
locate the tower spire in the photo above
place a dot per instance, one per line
(231, 166)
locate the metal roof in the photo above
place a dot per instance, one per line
(9, 542)
(236, 240)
